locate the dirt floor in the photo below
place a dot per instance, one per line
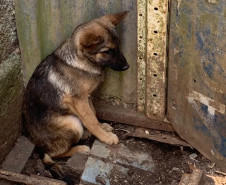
(171, 162)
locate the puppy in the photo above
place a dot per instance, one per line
(56, 102)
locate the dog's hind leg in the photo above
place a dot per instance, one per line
(76, 149)
(66, 131)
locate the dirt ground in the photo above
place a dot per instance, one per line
(171, 162)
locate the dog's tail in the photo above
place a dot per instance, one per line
(57, 170)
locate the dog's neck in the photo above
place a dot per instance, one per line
(67, 53)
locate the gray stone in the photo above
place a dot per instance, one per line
(97, 172)
(11, 95)
(77, 162)
(18, 156)
(8, 35)
(11, 84)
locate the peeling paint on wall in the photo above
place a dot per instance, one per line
(212, 1)
(196, 76)
(212, 105)
(178, 6)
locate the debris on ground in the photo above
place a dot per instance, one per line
(163, 137)
(135, 160)
(34, 180)
(195, 178)
(216, 179)
(193, 156)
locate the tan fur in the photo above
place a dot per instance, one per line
(71, 123)
(76, 149)
(81, 107)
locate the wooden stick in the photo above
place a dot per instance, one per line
(15, 177)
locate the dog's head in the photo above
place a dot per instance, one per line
(97, 40)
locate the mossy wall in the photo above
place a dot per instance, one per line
(11, 84)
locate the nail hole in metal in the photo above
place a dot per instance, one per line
(155, 54)
(194, 80)
(155, 8)
(155, 75)
(155, 31)
(154, 95)
(140, 14)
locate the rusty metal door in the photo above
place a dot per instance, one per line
(197, 75)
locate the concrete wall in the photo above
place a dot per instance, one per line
(11, 85)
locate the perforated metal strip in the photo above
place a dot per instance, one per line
(141, 54)
(152, 40)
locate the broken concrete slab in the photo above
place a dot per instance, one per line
(18, 156)
(122, 155)
(77, 162)
(106, 160)
(97, 171)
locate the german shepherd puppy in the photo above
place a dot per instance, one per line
(56, 102)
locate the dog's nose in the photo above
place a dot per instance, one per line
(125, 67)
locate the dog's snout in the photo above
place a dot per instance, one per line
(125, 67)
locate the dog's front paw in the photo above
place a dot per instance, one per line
(107, 127)
(111, 139)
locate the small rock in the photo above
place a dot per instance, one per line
(100, 180)
(193, 156)
(175, 169)
(211, 165)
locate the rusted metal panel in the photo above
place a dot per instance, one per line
(151, 57)
(197, 77)
(43, 25)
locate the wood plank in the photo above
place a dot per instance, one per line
(15, 177)
(118, 114)
(18, 156)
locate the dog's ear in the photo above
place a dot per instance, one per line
(115, 18)
(89, 42)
